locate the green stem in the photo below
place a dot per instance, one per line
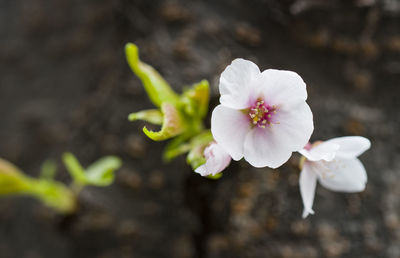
(54, 194)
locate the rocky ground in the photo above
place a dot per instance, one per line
(65, 85)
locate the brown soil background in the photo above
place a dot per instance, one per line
(65, 85)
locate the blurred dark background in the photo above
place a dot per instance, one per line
(65, 85)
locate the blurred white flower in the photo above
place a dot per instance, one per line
(262, 117)
(335, 165)
(216, 160)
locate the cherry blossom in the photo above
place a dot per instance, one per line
(334, 164)
(216, 160)
(263, 116)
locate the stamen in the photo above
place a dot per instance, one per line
(262, 114)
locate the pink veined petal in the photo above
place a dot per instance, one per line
(236, 85)
(294, 126)
(265, 147)
(307, 182)
(229, 128)
(216, 160)
(323, 151)
(283, 88)
(351, 146)
(342, 175)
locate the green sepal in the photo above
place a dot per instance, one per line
(172, 125)
(157, 88)
(196, 99)
(195, 146)
(195, 157)
(176, 147)
(215, 177)
(153, 116)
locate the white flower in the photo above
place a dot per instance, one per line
(216, 160)
(335, 165)
(262, 117)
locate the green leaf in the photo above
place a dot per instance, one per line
(12, 180)
(53, 194)
(101, 173)
(74, 168)
(196, 99)
(153, 116)
(48, 169)
(156, 87)
(176, 147)
(8, 168)
(173, 124)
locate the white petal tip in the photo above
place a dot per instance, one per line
(306, 213)
(201, 170)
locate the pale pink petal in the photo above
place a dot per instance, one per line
(235, 83)
(307, 182)
(216, 160)
(323, 151)
(202, 170)
(342, 175)
(229, 128)
(351, 146)
(294, 126)
(266, 147)
(283, 88)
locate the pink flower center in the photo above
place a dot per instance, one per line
(262, 114)
(308, 146)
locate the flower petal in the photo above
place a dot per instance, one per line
(323, 151)
(342, 175)
(202, 170)
(307, 182)
(229, 128)
(266, 147)
(235, 84)
(351, 146)
(283, 88)
(217, 160)
(295, 126)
